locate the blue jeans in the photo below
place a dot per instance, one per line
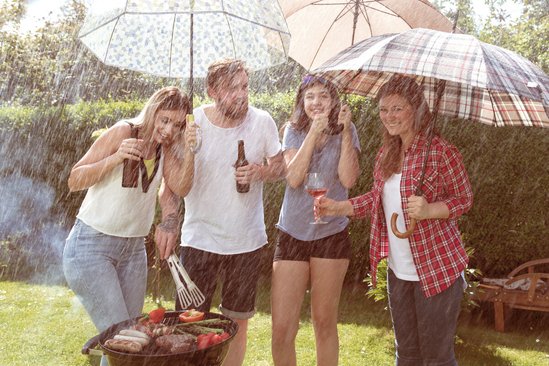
(108, 274)
(424, 328)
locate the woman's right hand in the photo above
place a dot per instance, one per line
(319, 123)
(130, 149)
(325, 206)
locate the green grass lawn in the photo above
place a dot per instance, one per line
(46, 325)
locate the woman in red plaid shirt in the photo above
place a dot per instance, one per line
(425, 275)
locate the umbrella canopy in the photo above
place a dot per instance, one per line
(161, 37)
(483, 83)
(322, 28)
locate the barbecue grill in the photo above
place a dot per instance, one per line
(153, 356)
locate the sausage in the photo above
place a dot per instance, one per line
(141, 341)
(123, 345)
(134, 333)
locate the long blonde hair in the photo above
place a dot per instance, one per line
(169, 98)
(407, 88)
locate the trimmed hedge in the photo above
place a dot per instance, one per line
(507, 167)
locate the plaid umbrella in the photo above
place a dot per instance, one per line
(322, 28)
(462, 78)
(483, 83)
(180, 38)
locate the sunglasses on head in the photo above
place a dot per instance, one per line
(308, 79)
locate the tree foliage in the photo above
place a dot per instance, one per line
(460, 13)
(51, 66)
(527, 36)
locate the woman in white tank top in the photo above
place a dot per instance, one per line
(104, 259)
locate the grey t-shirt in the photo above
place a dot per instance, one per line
(297, 208)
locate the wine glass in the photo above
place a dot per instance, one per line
(316, 187)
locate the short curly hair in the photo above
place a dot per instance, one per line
(219, 70)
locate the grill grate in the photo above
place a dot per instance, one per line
(171, 318)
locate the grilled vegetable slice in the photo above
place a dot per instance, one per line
(157, 315)
(191, 316)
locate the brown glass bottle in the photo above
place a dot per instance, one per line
(241, 161)
(130, 172)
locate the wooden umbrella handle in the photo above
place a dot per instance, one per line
(397, 233)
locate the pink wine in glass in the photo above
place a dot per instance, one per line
(317, 192)
(316, 187)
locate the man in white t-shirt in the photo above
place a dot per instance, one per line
(224, 231)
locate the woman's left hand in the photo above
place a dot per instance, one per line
(344, 117)
(418, 207)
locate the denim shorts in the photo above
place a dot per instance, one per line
(108, 274)
(337, 246)
(238, 273)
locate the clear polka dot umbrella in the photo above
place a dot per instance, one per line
(181, 38)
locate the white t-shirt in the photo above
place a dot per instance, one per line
(218, 219)
(400, 256)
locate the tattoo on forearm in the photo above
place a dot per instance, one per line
(170, 223)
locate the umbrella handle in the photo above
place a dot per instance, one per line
(397, 233)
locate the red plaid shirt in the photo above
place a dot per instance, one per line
(436, 246)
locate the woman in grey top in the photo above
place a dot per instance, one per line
(319, 138)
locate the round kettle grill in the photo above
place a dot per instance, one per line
(153, 356)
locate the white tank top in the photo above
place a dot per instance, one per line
(400, 256)
(114, 210)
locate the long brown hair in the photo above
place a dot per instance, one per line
(299, 119)
(407, 88)
(169, 98)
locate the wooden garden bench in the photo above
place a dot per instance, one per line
(528, 291)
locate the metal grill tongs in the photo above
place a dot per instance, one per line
(187, 295)
(183, 293)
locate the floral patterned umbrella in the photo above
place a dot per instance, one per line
(180, 39)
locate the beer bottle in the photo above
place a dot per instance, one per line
(241, 161)
(130, 172)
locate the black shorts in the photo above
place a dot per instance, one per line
(238, 273)
(337, 246)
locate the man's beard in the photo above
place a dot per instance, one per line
(234, 111)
